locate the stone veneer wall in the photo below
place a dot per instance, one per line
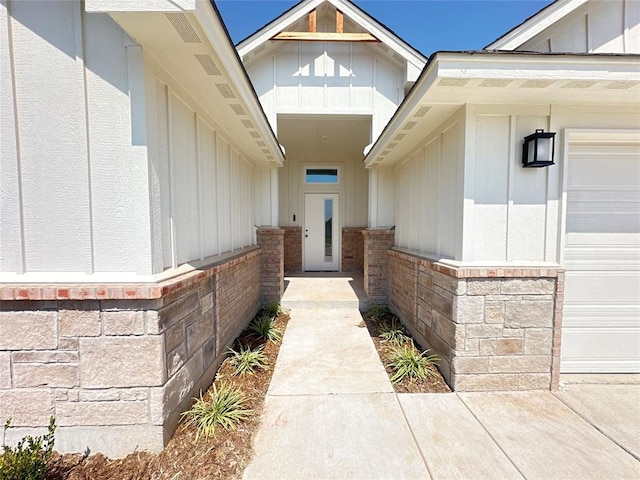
(292, 249)
(352, 249)
(377, 243)
(116, 364)
(493, 329)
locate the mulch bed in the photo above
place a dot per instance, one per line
(435, 384)
(224, 456)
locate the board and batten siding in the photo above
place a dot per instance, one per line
(428, 193)
(74, 181)
(203, 198)
(611, 26)
(352, 187)
(328, 78)
(507, 208)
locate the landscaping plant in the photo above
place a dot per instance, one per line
(29, 459)
(223, 406)
(273, 309)
(393, 332)
(264, 327)
(378, 312)
(408, 362)
(247, 360)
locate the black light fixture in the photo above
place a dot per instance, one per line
(537, 150)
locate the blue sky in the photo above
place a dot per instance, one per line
(427, 25)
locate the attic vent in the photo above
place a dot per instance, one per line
(392, 145)
(225, 90)
(422, 111)
(265, 150)
(409, 125)
(495, 82)
(207, 64)
(254, 134)
(579, 84)
(537, 83)
(238, 110)
(619, 85)
(183, 27)
(247, 123)
(453, 82)
(261, 144)
(400, 136)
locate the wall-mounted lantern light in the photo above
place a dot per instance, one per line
(537, 150)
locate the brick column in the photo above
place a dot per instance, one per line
(271, 242)
(376, 263)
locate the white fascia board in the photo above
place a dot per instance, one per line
(406, 109)
(213, 28)
(536, 24)
(140, 5)
(540, 67)
(349, 10)
(272, 29)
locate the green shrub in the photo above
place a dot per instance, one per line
(223, 406)
(29, 459)
(378, 312)
(247, 360)
(408, 362)
(264, 327)
(393, 332)
(273, 309)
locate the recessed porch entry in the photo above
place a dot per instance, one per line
(321, 232)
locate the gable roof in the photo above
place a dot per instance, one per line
(351, 11)
(535, 24)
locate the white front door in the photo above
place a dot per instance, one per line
(321, 227)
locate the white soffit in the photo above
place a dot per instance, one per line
(535, 24)
(452, 80)
(194, 48)
(350, 11)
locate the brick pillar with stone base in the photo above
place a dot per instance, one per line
(377, 243)
(271, 243)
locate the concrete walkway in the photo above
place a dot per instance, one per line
(331, 413)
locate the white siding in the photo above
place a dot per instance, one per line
(319, 77)
(428, 193)
(74, 180)
(605, 26)
(206, 188)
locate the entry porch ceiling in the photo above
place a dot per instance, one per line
(452, 80)
(325, 134)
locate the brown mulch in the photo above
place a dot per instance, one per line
(435, 384)
(224, 456)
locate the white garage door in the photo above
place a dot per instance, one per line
(601, 323)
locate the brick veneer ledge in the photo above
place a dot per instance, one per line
(122, 291)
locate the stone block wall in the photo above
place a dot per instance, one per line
(377, 243)
(117, 364)
(292, 249)
(352, 249)
(494, 329)
(271, 242)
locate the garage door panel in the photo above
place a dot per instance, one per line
(601, 315)
(585, 350)
(602, 287)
